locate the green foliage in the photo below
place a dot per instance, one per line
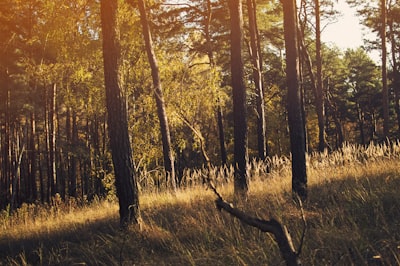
(45, 42)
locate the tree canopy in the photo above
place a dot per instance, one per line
(51, 53)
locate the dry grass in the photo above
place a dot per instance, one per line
(353, 218)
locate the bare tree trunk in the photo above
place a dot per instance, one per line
(32, 158)
(52, 144)
(221, 134)
(396, 74)
(15, 188)
(320, 106)
(41, 175)
(49, 183)
(385, 94)
(360, 115)
(296, 124)
(74, 165)
(5, 145)
(241, 183)
(257, 76)
(158, 93)
(125, 180)
(220, 123)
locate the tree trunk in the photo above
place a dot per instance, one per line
(52, 155)
(360, 116)
(257, 76)
(32, 159)
(239, 99)
(5, 145)
(396, 74)
(41, 175)
(210, 54)
(74, 166)
(125, 180)
(49, 183)
(385, 94)
(221, 135)
(296, 124)
(319, 101)
(158, 93)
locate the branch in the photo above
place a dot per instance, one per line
(272, 226)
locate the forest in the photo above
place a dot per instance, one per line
(53, 111)
(113, 99)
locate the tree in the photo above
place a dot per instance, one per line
(385, 93)
(255, 54)
(125, 181)
(239, 99)
(393, 24)
(294, 104)
(362, 87)
(320, 106)
(376, 15)
(158, 94)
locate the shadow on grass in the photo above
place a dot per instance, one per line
(350, 222)
(34, 249)
(359, 221)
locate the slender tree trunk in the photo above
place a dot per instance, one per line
(32, 159)
(125, 180)
(158, 93)
(296, 124)
(360, 114)
(52, 146)
(15, 188)
(221, 134)
(396, 74)
(50, 140)
(5, 145)
(60, 161)
(207, 33)
(239, 99)
(257, 76)
(385, 94)
(74, 165)
(320, 106)
(41, 175)
(49, 183)
(210, 54)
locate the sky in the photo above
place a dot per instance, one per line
(347, 32)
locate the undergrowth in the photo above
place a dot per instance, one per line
(352, 215)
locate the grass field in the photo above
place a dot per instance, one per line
(352, 216)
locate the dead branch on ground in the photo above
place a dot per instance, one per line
(272, 226)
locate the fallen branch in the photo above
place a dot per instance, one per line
(272, 226)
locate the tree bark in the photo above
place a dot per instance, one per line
(272, 226)
(32, 158)
(210, 54)
(296, 124)
(221, 134)
(319, 101)
(257, 77)
(125, 180)
(385, 94)
(158, 93)
(396, 73)
(239, 99)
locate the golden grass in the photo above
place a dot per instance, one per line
(352, 216)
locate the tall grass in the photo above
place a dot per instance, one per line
(353, 218)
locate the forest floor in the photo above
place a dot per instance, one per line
(352, 218)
